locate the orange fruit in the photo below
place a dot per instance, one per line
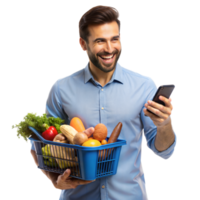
(91, 143)
(77, 124)
(104, 142)
(90, 138)
(100, 132)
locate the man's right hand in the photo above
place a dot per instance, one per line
(65, 182)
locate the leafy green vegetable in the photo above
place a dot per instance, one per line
(37, 123)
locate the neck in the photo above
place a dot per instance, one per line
(102, 77)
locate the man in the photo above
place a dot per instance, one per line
(104, 92)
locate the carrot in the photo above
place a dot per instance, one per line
(77, 124)
(115, 134)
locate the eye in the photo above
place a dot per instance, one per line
(99, 41)
(115, 39)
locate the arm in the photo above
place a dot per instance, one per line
(161, 118)
(165, 137)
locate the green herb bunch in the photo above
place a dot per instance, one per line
(37, 123)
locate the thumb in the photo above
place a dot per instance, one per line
(89, 131)
(66, 174)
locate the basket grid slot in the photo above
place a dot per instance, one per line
(57, 159)
(106, 161)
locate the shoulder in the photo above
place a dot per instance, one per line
(70, 80)
(136, 77)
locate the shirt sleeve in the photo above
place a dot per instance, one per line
(150, 130)
(32, 145)
(54, 104)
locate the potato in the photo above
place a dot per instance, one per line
(100, 132)
(80, 138)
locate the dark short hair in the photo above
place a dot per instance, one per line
(96, 16)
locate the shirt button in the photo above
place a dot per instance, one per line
(102, 108)
(103, 186)
(102, 89)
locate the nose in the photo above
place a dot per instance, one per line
(108, 47)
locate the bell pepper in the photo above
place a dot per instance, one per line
(49, 133)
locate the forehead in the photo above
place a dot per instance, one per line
(106, 30)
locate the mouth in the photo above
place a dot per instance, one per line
(107, 59)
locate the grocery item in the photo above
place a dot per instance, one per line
(113, 138)
(37, 122)
(69, 132)
(65, 157)
(104, 142)
(48, 160)
(77, 124)
(80, 138)
(100, 132)
(115, 134)
(49, 133)
(91, 143)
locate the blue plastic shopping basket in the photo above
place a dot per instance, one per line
(86, 163)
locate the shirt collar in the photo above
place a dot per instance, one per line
(117, 75)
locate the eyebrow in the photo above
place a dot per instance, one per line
(114, 37)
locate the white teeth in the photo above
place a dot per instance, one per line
(107, 57)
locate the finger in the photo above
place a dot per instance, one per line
(151, 115)
(66, 174)
(89, 131)
(166, 101)
(171, 99)
(150, 108)
(60, 137)
(169, 104)
(167, 109)
(156, 112)
(154, 118)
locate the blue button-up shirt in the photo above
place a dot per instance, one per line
(120, 100)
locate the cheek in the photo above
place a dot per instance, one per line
(95, 50)
(118, 46)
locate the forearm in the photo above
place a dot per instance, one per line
(52, 176)
(165, 137)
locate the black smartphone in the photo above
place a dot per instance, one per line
(164, 90)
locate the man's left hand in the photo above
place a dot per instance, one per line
(161, 116)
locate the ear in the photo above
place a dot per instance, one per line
(83, 44)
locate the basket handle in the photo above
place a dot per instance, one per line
(36, 134)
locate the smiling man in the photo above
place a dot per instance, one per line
(103, 48)
(105, 92)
